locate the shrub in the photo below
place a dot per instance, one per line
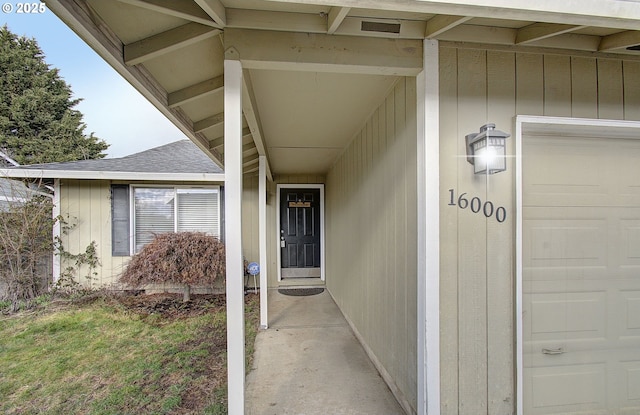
(25, 247)
(186, 258)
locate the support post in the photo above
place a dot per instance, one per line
(57, 233)
(428, 146)
(233, 231)
(262, 219)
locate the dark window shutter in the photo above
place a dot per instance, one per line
(120, 216)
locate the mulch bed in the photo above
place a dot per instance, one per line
(171, 305)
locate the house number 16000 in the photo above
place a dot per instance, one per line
(476, 205)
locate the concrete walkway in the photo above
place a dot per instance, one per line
(309, 362)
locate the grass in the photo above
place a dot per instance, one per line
(103, 358)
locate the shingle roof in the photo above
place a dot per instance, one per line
(178, 157)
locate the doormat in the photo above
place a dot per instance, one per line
(300, 291)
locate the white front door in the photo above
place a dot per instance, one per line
(581, 275)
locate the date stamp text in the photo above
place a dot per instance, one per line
(35, 7)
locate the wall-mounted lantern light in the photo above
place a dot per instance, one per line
(487, 150)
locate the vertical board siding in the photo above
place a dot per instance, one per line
(631, 91)
(501, 103)
(86, 206)
(449, 149)
(371, 235)
(584, 87)
(472, 255)
(610, 84)
(477, 253)
(557, 85)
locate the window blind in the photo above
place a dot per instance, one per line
(198, 210)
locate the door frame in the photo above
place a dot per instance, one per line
(277, 233)
(577, 127)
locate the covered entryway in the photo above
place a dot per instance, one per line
(301, 219)
(581, 270)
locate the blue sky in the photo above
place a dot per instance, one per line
(112, 108)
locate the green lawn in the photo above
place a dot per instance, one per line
(105, 358)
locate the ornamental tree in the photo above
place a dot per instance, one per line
(184, 258)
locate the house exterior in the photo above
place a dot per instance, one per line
(121, 203)
(514, 292)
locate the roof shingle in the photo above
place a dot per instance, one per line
(178, 157)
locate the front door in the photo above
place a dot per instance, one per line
(300, 233)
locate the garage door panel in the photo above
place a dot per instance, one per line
(630, 321)
(573, 242)
(565, 316)
(631, 385)
(630, 243)
(566, 388)
(564, 173)
(575, 171)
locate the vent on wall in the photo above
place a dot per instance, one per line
(380, 27)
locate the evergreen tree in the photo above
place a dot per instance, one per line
(37, 121)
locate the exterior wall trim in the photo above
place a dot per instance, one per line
(428, 153)
(524, 124)
(322, 230)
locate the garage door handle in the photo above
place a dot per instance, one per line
(559, 350)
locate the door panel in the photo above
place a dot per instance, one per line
(300, 233)
(581, 276)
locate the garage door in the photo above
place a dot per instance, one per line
(581, 275)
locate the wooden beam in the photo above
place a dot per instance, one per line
(165, 42)
(184, 9)
(269, 20)
(539, 31)
(441, 23)
(208, 122)
(219, 141)
(260, 49)
(250, 109)
(196, 91)
(249, 149)
(249, 162)
(215, 10)
(600, 13)
(335, 18)
(216, 142)
(251, 170)
(620, 40)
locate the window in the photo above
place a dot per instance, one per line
(156, 210)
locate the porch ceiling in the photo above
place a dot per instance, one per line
(314, 70)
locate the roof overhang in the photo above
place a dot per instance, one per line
(307, 63)
(107, 175)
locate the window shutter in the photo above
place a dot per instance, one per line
(120, 220)
(198, 210)
(154, 209)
